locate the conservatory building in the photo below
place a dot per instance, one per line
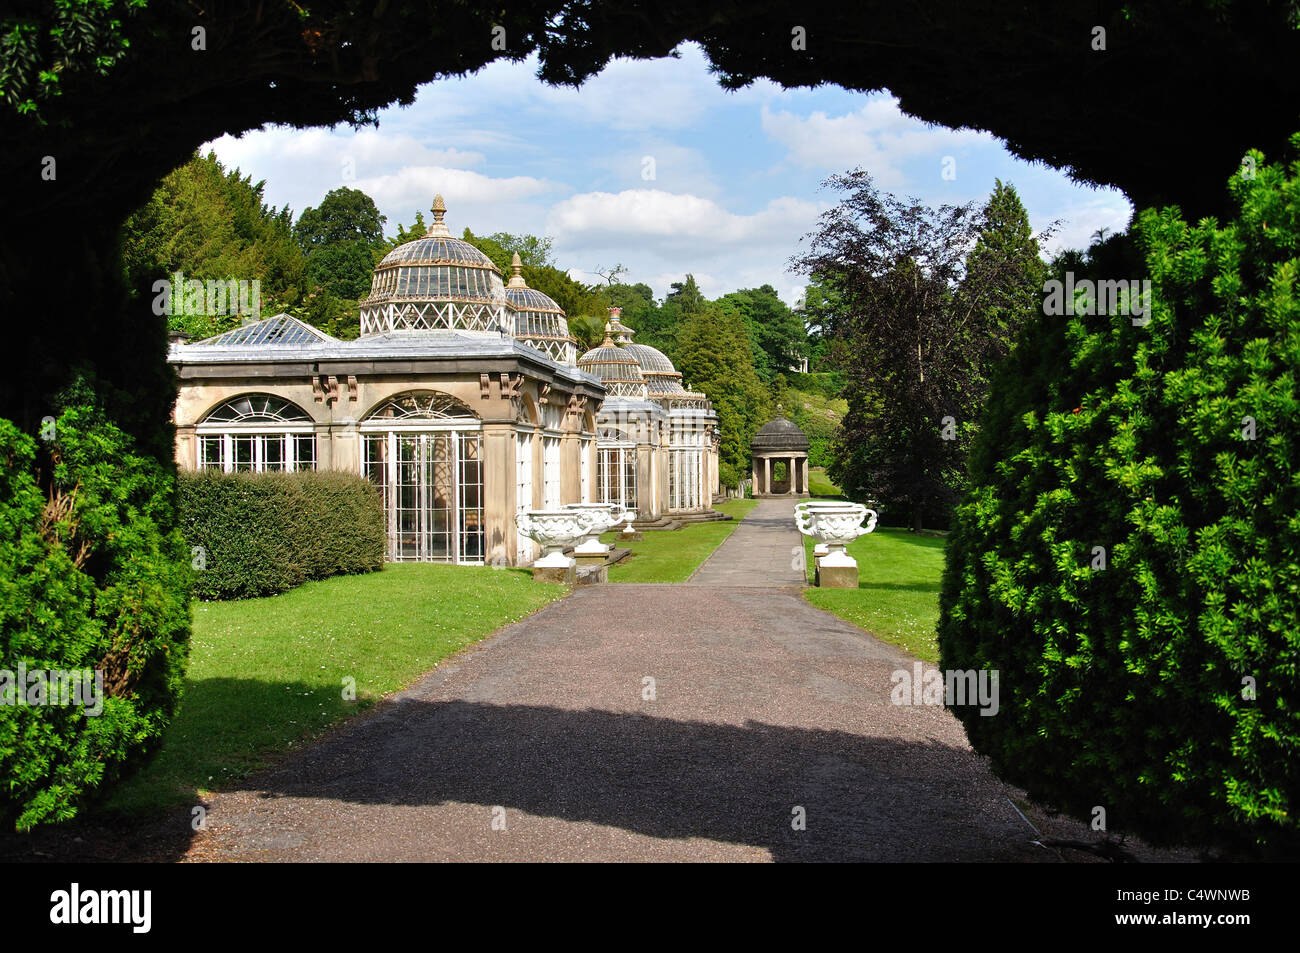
(657, 442)
(461, 401)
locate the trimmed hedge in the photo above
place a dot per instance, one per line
(1163, 686)
(93, 576)
(264, 533)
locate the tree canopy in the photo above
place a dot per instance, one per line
(341, 239)
(205, 222)
(927, 300)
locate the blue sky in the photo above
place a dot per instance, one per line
(653, 166)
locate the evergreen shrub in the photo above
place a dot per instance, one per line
(1128, 554)
(257, 534)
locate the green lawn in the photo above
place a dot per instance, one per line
(897, 599)
(673, 555)
(820, 486)
(266, 675)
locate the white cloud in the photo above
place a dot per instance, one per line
(661, 236)
(330, 149)
(1109, 209)
(878, 137)
(668, 219)
(415, 186)
(639, 95)
(656, 163)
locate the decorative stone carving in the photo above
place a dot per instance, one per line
(606, 516)
(836, 526)
(553, 530)
(820, 549)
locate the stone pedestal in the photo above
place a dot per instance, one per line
(837, 577)
(565, 575)
(626, 537)
(591, 559)
(592, 549)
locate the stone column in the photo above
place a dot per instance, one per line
(187, 448)
(804, 469)
(570, 469)
(767, 476)
(789, 474)
(497, 465)
(539, 469)
(645, 484)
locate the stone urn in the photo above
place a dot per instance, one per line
(628, 516)
(606, 516)
(820, 549)
(836, 526)
(553, 530)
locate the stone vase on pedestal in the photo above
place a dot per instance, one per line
(554, 530)
(820, 549)
(591, 549)
(628, 534)
(835, 526)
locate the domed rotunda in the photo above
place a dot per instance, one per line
(780, 442)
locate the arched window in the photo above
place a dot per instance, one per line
(421, 405)
(258, 433)
(258, 408)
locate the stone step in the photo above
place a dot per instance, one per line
(712, 516)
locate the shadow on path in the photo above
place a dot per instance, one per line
(866, 798)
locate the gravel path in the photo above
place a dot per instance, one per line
(546, 742)
(761, 552)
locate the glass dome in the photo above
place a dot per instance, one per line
(617, 369)
(539, 321)
(436, 282)
(662, 379)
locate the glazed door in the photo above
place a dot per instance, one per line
(432, 487)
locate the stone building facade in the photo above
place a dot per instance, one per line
(462, 401)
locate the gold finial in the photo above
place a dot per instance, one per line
(615, 325)
(439, 227)
(516, 276)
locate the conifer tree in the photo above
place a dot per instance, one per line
(715, 359)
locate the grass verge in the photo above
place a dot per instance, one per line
(820, 486)
(897, 599)
(267, 675)
(673, 556)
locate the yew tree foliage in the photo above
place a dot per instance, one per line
(715, 358)
(209, 223)
(927, 300)
(264, 533)
(89, 579)
(1161, 687)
